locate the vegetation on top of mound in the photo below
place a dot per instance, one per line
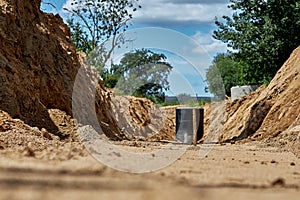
(262, 34)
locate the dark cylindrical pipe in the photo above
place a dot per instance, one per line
(189, 124)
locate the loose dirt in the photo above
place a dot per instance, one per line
(227, 172)
(250, 147)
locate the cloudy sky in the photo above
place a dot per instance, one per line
(182, 29)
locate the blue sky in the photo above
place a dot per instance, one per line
(182, 29)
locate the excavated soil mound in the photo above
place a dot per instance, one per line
(271, 114)
(18, 139)
(143, 119)
(38, 68)
(38, 63)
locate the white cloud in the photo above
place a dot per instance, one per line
(180, 12)
(184, 12)
(68, 5)
(196, 1)
(175, 12)
(207, 44)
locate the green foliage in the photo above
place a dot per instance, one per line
(224, 73)
(95, 21)
(79, 36)
(96, 60)
(110, 80)
(215, 80)
(172, 103)
(229, 71)
(143, 73)
(190, 101)
(184, 98)
(263, 34)
(203, 102)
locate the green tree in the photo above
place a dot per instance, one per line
(95, 22)
(223, 74)
(215, 82)
(79, 36)
(143, 73)
(262, 34)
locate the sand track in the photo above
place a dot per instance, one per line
(229, 170)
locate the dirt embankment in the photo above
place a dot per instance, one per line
(38, 68)
(271, 113)
(38, 63)
(143, 119)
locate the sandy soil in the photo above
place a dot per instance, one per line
(231, 171)
(42, 156)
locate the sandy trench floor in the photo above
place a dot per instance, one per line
(231, 171)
